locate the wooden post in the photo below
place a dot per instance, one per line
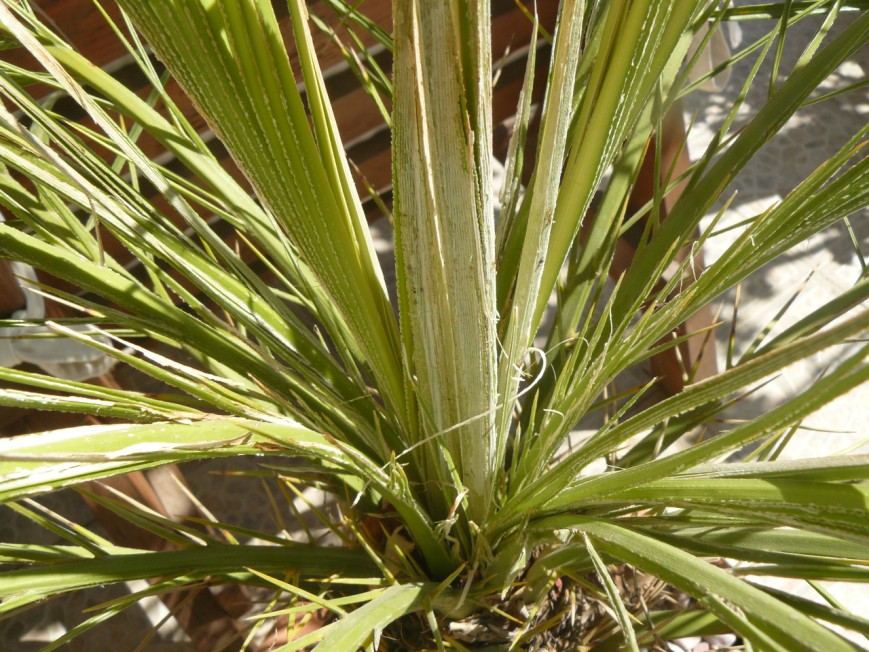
(694, 359)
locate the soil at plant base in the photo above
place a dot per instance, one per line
(574, 616)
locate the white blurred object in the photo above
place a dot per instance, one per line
(703, 644)
(57, 356)
(726, 36)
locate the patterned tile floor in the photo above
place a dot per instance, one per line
(829, 258)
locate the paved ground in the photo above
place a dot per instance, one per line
(829, 259)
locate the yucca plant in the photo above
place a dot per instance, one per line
(437, 424)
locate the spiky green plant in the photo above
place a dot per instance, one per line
(444, 421)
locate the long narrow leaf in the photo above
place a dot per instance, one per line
(445, 230)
